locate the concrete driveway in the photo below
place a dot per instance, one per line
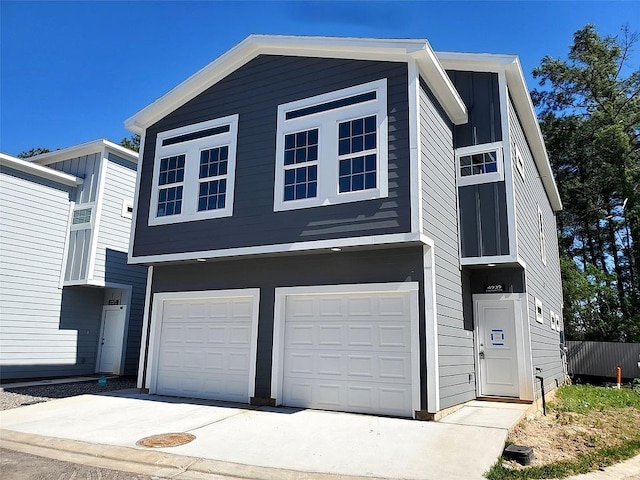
(269, 443)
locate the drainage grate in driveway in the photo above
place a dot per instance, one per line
(165, 440)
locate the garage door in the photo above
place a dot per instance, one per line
(205, 348)
(348, 352)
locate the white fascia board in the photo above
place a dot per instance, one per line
(95, 146)
(328, 47)
(370, 241)
(524, 106)
(441, 85)
(510, 65)
(122, 151)
(40, 171)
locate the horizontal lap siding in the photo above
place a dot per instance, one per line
(371, 266)
(254, 92)
(455, 344)
(542, 281)
(34, 215)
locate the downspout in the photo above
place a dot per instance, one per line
(544, 402)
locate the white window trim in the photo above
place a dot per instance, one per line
(327, 124)
(541, 235)
(496, 176)
(127, 204)
(86, 225)
(552, 317)
(539, 311)
(191, 188)
(518, 159)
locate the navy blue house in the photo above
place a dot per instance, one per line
(357, 225)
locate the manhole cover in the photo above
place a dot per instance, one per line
(165, 440)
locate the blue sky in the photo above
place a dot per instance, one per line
(72, 72)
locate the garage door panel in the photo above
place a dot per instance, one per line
(349, 352)
(382, 337)
(205, 348)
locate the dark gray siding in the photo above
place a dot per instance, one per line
(479, 91)
(543, 281)
(439, 213)
(484, 230)
(117, 271)
(369, 266)
(254, 91)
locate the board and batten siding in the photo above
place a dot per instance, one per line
(480, 93)
(112, 246)
(254, 92)
(86, 167)
(34, 215)
(440, 223)
(542, 281)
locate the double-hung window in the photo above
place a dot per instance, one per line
(480, 164)
(332, 148)
(194, 172)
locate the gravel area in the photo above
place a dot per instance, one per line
(18, 397)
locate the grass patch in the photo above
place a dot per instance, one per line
(585, 398)
(586, 428)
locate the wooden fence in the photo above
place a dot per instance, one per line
(601, 359)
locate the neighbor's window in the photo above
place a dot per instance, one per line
(543, 242)
(539, 311)
(81, 216)
(332, 148)
(194, 172)
(518, 160)
(480, 164)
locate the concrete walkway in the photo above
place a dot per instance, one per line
(260, 443)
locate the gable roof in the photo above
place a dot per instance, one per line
(517, 86)
(38, 170)
(87, 148)
(328, 47)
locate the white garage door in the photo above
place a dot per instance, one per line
(205, 348)
(348, 352)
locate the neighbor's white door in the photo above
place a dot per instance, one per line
(497, 348)
(111, 338)
(348, 352)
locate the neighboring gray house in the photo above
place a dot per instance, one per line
(348, 224)
(69, 303)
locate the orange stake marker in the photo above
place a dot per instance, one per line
(618, 375)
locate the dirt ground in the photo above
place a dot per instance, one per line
(563, 435)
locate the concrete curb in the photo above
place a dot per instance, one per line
(150, 462)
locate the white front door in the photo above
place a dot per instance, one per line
(111, 339)
(497, 347)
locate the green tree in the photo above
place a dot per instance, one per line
(132, 143)
(590, 117)
(33, 152)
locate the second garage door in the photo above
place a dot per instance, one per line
(204, 347)
(349, 352)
